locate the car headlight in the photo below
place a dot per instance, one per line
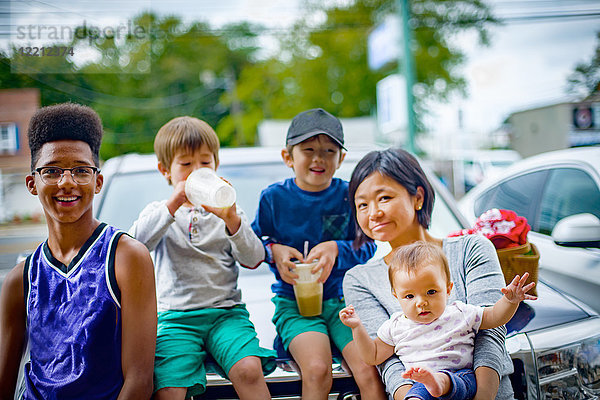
(588, 364)
(571, 371)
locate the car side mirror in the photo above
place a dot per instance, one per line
(579, 230)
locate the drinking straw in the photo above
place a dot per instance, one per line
(305, 249)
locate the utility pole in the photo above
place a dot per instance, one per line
(406, 68)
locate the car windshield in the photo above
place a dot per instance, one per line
(126, 194)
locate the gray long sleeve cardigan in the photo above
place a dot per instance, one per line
(477, 277)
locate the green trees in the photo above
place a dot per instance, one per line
(136, 84)
(585, 79)
(223, 76)
(324, 63)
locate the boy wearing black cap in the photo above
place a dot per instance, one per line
(313, 207)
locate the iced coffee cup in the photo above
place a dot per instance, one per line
(308, 290)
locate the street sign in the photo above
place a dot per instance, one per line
(384, 43)
(391, 104)
(583, 117)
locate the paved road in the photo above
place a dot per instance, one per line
(15, 240)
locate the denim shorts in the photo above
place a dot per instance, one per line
(464, 387)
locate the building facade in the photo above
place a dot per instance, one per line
(17, 106)
(556, 126)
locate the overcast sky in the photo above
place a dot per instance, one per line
(527, 64)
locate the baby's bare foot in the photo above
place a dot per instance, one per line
(436, 383)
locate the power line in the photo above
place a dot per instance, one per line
(545, 17)
(151, 103)
(566, 12)
(276, 30)
(552, 3)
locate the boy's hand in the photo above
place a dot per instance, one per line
(283, 255)
(349, 317)
(229, 214)
(516, 291)
(178, 198)
(326, 252)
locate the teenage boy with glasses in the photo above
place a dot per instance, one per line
(84, 302)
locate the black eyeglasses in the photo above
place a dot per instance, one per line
(52, 175)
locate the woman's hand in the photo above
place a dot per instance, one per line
(283, 255)
(326, 252)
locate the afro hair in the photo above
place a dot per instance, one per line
(66, 121)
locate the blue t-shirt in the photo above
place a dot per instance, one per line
(289, 215)
(74, 322)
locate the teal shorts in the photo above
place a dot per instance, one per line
(289, 323)
(185, 337)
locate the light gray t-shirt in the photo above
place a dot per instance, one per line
(195, 257)
(477, 278)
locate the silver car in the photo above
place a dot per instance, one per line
(554, 342)
(559, 194)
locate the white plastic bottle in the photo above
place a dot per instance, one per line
(204, 187)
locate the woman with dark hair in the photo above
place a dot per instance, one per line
(393, 201)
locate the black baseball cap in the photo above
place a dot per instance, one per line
(314, 122)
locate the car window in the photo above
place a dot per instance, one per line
(126, 195)
(568, 191)
(250, 179)
(519, 194)
(443, 219)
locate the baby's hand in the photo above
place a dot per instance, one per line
(516, 291)
(326, 253)
(283, 255)
(349, 317)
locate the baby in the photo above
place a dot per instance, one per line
(432, 339)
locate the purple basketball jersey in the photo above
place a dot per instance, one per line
(74, 322)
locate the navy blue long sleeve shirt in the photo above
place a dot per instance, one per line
(289, 215)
